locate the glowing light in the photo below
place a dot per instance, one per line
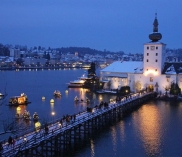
(37, 125)
(43, 98)
(18, 109)
(154, 72)
(53, 113)
(52, 101)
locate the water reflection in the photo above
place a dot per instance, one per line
(148, 123)
(122, 131)
(92, 148)
(114, 140)
(21, 109)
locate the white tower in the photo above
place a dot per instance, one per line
(154, 53)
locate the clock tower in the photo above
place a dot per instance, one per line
(154, 52)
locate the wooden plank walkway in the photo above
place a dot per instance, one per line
(65, 133)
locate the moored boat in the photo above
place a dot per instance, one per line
(19, 100)
(79, 83)
(35, 116)
(26, 115)
(76, 99)
(1, 96)
(76, 84)
(57, 93)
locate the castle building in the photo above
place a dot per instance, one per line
(152, 74)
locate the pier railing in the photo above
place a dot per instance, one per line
(63, 136)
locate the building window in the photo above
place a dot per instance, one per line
(147, 69)
(156, 60)
(181, 79)
(152, 47)
(155, 69)
(151, 79)
(168, 79)
(156, 47)
(147, 54)
(156, 54)
(147, 47)
(147, 60)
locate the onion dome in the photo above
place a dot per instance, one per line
(155, 36)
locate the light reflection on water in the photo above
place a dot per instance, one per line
(122, 131)
(148, 123)
(152, 130)
(114, 138)
(38, 84)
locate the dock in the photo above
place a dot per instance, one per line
(65, 137)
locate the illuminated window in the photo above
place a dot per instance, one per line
(151, 79)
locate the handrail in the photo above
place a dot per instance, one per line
(34, 137)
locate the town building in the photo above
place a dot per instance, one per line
(153, 73)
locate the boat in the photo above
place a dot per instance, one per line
(19, 100)
(57, 93)
(26, 115)
(76, 99)
(35, 116)
(76, 84)
(79, 83)
(1, 96)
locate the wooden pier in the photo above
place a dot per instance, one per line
(65, 138)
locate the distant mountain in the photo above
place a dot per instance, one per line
(84, 50)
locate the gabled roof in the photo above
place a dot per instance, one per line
(124, 67)
(172, 68)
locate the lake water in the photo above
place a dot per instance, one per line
(152, 130)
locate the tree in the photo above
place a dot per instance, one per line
(138, 86)
(91, 70)
(175, 90)
(48, 56)
(124, 90)
(19, 61)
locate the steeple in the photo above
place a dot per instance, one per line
(155, 36)
(155, 29)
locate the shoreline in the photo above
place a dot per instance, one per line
(40, 68)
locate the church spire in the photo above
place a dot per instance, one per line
(155, 36)
(155, 29)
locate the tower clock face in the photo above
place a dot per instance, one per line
(152, 47)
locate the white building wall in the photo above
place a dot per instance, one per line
(154, 54)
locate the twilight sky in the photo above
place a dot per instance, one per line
(115, 25)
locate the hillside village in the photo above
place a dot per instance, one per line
(21, 56)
